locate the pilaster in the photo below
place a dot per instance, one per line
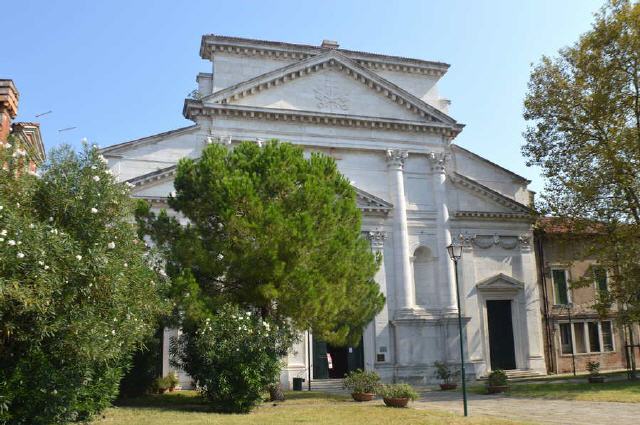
(404, 281)
(377, 333)
(446, 278)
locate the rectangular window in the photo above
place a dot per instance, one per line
(561, 289)
(578, 334)
(594, 337)
(600, 277)
(565, 338)
(607, 336)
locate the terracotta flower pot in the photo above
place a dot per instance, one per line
(447, 387)
(596, 379)
(363, 396)
(496, 389)
(395, 402)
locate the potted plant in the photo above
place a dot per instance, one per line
(362, 384)
(160, 385)
(446, 375)
(594, 373)
(171, 380)
(497, 382)
(397, 395)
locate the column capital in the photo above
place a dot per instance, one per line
(396, 157)
(438, 161)
(376, 237)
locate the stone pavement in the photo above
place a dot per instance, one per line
(534, 410)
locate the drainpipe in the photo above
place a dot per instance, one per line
(547, 321)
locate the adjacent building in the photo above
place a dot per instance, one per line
(570, 284)
(383, 120)
(26, 135)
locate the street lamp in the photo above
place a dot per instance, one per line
(455, 253)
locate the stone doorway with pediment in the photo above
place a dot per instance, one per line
(501, 322)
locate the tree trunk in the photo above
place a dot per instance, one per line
(275, 392)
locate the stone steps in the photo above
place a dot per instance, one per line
(327, 385)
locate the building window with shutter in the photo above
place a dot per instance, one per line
(565, 338)
(600, 279)
(560, 286)
(607, 336)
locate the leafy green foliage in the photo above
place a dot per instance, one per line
(77, 290)
(360, 381)
(445, 372)
(270, 230)
(497, 378)
(583, 109)
(398, 391)
(233, 355)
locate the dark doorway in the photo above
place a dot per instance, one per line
(343, 360)
(501, 347)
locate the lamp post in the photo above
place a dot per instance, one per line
(455, 253)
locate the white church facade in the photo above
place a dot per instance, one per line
(383, 121)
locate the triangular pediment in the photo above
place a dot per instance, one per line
(157, 185)
(330, 83)
(500, 283)
(478, 200)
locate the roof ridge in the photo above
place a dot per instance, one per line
(315, 49)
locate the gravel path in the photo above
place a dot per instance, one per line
(535, 410)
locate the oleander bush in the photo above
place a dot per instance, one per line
(233, 356)
(78, 291)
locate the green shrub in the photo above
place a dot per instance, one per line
(77, 291)
(360, 381)
(398, 391)
(497, 378)
(232, 355)
(444, 373)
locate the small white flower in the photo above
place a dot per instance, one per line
(248, 313)
(54, 392)
(32, 226)
(20, 255)
(1, 239)
(41, 263)
(130, 184)
(78, 257)
(94, 210)
(50, 219)
(111, 245)
(11, 242)
(93, 167)
(46, 267)
(1, 207)
(3, 232)
(96, 178)
(113, 332)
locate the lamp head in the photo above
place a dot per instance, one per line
(455, 251)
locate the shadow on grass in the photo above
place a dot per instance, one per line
(191, 401)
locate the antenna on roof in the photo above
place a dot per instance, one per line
(44, 113)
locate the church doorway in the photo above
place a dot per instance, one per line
(330, 362)
(501, 346)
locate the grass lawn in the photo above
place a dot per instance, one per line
(186, 408)
(620, 391)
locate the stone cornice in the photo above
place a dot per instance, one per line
(153, 177)
(195, 108)
(333, 59)
(489, 193)
(492, 215)
(367, 202)
(109, 150)
(212, 44)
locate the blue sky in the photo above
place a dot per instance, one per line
(119, 70)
